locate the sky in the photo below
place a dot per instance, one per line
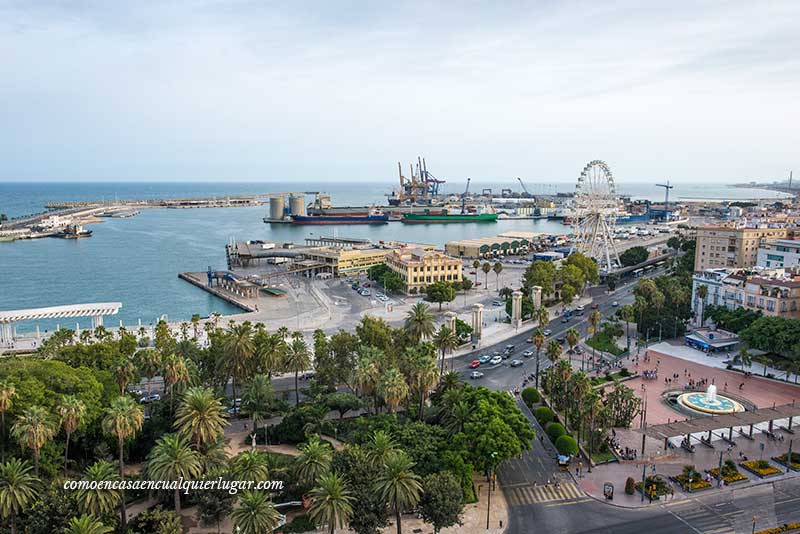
(343, 90)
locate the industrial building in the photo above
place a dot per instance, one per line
(419, 268)
(505, 243)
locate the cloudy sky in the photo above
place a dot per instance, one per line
(342, 90)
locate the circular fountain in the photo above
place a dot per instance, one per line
(709, 402)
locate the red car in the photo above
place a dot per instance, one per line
(475, 364)
(595, 306)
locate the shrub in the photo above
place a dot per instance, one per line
(531, 396)
(555, 431)
(543, 414)
(301, 523)
(567, 445)
(630, 486)
(624, 372)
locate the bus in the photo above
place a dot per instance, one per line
(638, 272)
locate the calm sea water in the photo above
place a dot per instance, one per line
(136, 261)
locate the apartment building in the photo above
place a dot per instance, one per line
(420, 268)
(772, 292)
(780, 253)
(731, 247)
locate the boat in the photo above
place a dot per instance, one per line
(373, 216)
(7, 238)
(447, 216)
(73, 231)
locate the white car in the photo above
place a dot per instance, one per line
(615, 303)
(496, 360)
(475, 375)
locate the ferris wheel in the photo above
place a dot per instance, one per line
(594, 212)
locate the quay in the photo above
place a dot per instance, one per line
(239, 300)
(175, 203)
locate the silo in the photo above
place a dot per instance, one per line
(276, 208)
(297, 205)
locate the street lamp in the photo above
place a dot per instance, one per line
(489, 498)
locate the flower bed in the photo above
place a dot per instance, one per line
(697, 482)
(728, 477)
(657, 487)
(777, 530)
(783, 460)
(761, 468)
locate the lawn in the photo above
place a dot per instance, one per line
(603, 457)
(602, 341)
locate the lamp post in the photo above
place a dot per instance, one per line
(489, 498)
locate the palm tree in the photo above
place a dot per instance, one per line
(314, 460)
(124, 373)
(366, 376)
(379, 447)
(573, 337)
(475, 265)
(486, 267)
(449, 381)
(331, 502)
(172, 458)
(72, 412)
(763, 360)
(398, 485)
(269, 352)
(256, 514)
(702, 293)
(425, 376)
(297, 359)
(258, 399)
(195, 320)
(86, 525)
(744, 357)
(175, 372)
(457, 416)
(497, 268)
(33, 429)
(445, 340)
(542, 316)
(393, 388)
(149, 362)
(594, 319)
(124, 418)
(419, 322)
(17, 489)
(250, 465)
(553, 351)
(200, 417)
(99, 502)
(538, 338)
(628, 314)
(7, 394)
(239, 348)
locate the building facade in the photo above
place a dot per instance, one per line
(773, 293)
(732, 248)
(419, 268)
(782, 253)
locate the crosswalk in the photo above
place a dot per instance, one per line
(702, 519)
(527, 494)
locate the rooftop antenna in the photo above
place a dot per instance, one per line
(666, 187)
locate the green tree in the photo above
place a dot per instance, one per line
(256, 514)
(398, 485)
(497, 268)
(380, 446)
(214, 506)
(32, 430)
(87, 525)
(440, 292)
(419, 322)
(7, 394)
(17, 489)
(446, 341)
(313, 461)
(149, 363)
(369, 510)
(239, 347)
(540, 273)
(744, 356)
(297, 359)
(442, 502)
(172, 459)
(392, 388)
(72, 412)
(538, 339)
(250, 465)
(331, 502)
(553, 351)
(270, 350)
(124, 418)
(200, 417)
(124, 373)
(258, 399)
(99, 502)
(475, 266)
(633, 256)
(342, 402)
(486, 268)
(175, 372)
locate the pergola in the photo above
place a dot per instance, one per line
(95, 310)
(709, 423)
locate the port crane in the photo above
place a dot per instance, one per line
(666, 187)
(464, 198)
(525, 189)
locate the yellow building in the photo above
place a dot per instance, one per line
(344, 262)
(419, 268)
(729, 247)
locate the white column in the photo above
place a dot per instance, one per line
(516, 309)
(450, 320)
(536, 297)
(477, 320)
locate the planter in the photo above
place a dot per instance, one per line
(794, 466)
(696, 485)
(729, 479)
(778, 530)
(763, 472)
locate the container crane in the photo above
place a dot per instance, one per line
(464, 198)
(525, 189)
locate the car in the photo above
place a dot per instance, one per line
(477, 284)
(365, 284)
(472, 272)
(497, 303)
(547, 331)
(579, 308)
(496, 360)
(509, 347)
(595, 305)
(474, 375)
(496, 353)
(475, 364)
(615, 304)
(561, 339)
(150, 398)
(579, 349)
(528, 353)
(516, 363)
(565, 319)
(485, 358)
(506, 355)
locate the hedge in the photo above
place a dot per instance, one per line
(555, 431)
(567, 445)
(531, 396)
(543, 414)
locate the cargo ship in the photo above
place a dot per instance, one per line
(447, 216)
(373, 216)
(73, 231)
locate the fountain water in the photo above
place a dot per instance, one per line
(709, 402)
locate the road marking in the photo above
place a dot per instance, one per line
(527, 494)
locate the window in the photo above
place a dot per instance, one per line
(770, 305)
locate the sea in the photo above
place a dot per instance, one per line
(136, 260)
